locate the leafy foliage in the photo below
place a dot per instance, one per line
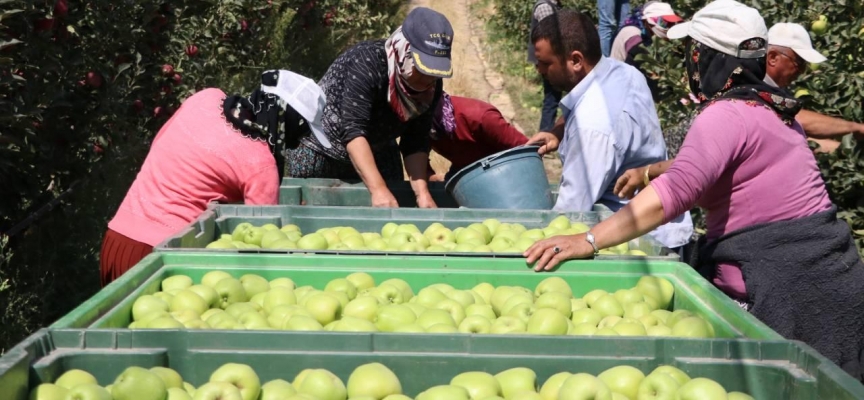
(84, 87)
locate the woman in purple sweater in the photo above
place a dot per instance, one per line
(775, 244)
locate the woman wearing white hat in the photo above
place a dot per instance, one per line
(652, 19)
(775, 244)
(214, 148)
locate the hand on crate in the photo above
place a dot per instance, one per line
(548, 253)
(383, 198)
(425, 201)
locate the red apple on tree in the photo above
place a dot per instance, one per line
(191, 50)
(94, 80)
(61, 8)
(168, 70)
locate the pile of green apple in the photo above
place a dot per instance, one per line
(490, 236)
(375, 381)
(356, 304)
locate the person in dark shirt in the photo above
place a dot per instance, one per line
(652, 19)
(466, 130)
(378, 91)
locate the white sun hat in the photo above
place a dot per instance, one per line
(795, 37)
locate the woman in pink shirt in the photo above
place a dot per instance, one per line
(775, 243)
(215, 148)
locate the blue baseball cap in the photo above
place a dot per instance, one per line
(431, 38)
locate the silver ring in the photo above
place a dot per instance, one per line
(556, 249)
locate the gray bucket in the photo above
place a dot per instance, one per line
(511, 179)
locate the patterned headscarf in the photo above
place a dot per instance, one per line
(444, 121)
(406, 102)
(714, 75)
(636, 19)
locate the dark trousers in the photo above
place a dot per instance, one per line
(551, 97)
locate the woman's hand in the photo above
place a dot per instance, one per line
(548, 142)
(544, 257)
(383, 198)
(425, 201)
(631, 181)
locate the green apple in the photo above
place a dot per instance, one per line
(271, 237)
(625, 296)
(258, 300)
(560, 223)
(164, 323)
(739, 396)
(637, 310)
(88, 391)
(254, 321)
(547, 321)
(238, 309)
(678, 315)
(487, 235)
(479, 385)
(492, 225)
(444, 392)
(403, 286)
(435, 249)
(397, 397)
(205, 292)
(269, 227)
(290, 228)
(419, 239)
(470, 235)
(592, 296)
(553, 284)
(552, 386)
(408, 228)
(442, 328)
(277, 296)
(189, 388)
(523, 311)
(675, 373)
(483, 310)
(241, 376)
(354, 242)
(230, 291)
(515, 380)
(623, 379)
(313, 241)
(48, 391)
(500, 245)
(507, 325)
(176, 282)
(577, 304)
(648, 320)
(376, 244)
(630, 327)
(284, 244)
(429, 297)
(354, 324)
(217, 391)
(694, 327)
(282, 282)
(75, 377)
(280, 314)
(583, 386)
(254, 284)
(410, 328)
(347, 232)
(475, 324)
(662, 316)
(608, 305)
(370, 236)
(324, 307)
(586, 315)
(196, 324)
(188, 300)
(211, 312)
(220, 244)
(361, 280)
(609, 321)
(556, 301)
(365, 307)
(410, 248)
(533, 234)
(417, 308)
(178, 394)
(388, 229)
(820, 26)
(388, 294)
(374, 380)
(482, 249)
(659, 330)
(169, 376)
(455, 309)
(148, 304)
(508, 234)
(515, 300)
(342, 285)
(136, 383)
(578, 227)
(606, 331)
(390, 316)
(213, 277)
(321, 384)
(657, 386)
(523, 244)
(499, 296)
(300, 322)
(221, 320)
(441, 237)
(701, 389)
(432, 228)
(239, 231)
(583, 329)
(434, 317)
(277, 389)
(659, 288)
(399, 239)
(254, 235)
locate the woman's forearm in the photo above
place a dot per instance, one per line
(641, 215)
(416, 165)
(364, 162)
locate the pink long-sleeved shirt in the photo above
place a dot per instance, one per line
(197, 157)
(745, 167)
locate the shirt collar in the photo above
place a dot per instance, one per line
(600, 70)
(770, 81)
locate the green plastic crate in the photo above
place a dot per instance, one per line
(111, 307)
(223, 218)
(336, 192)
(766, 370)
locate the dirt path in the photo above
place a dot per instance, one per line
(472, 74)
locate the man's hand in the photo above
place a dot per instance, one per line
(544, 257)
(631, 181)
(548, 142)
(425, 201)
(383, 198)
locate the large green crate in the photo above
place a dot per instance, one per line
(223, 218)
(336, 192)
(766, 370)
(111, 307)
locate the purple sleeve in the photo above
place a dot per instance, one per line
(712, 143)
